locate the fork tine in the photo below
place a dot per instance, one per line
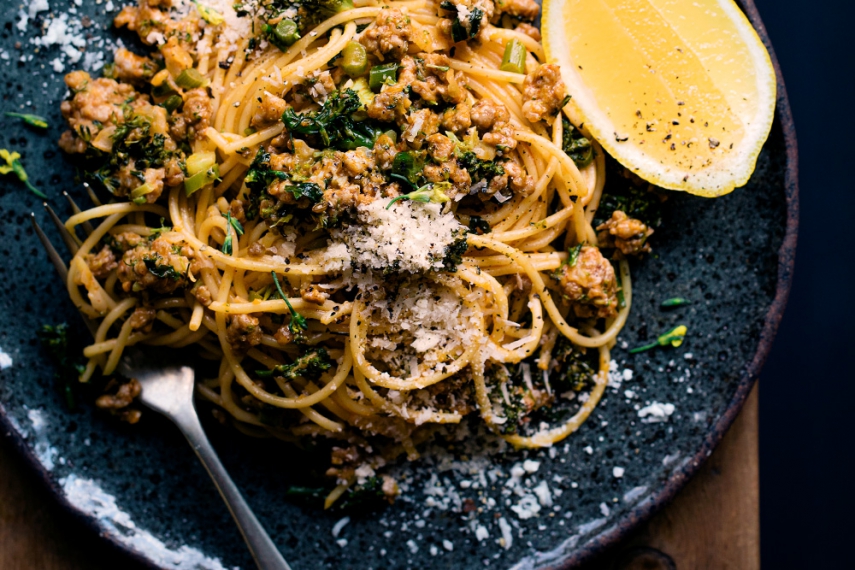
(92, 195)
(60, 267)
(87, 227)
(52, 254)
(69, 239)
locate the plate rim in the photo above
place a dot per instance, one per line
(678, 479)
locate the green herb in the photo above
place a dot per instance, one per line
(354, 60)
(32, 120)
(298, 323)
(675, 302)
(620, 297)
(310, 366)
(230, 223)
(284, 34)
(156, 232)
(161, 271)
(433, 192)
(514, 58)
(67, 358)
(380, 75)
(575, 145)
(574, 255)
(13, 165)
(674, 337)
(363, 496)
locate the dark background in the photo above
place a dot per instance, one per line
(807, 452)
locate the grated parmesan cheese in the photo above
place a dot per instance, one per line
(410, 237)
(656, 412)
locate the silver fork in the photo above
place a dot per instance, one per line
(168, 390)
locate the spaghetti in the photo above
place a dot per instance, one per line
(375, 222)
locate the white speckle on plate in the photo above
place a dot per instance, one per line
(5, 360)
(89, 497)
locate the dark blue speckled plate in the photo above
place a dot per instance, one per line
(142, 488)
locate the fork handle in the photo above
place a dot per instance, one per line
(265, 553)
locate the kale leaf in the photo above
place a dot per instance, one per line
(575, 145)
(629, 194)
(333, 123)
(161, 271)
(479, 169)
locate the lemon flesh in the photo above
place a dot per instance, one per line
(682, 92)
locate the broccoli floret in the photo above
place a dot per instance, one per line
(310, 366)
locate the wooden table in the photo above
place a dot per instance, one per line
(714, 523)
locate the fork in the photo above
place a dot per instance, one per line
(168, 390)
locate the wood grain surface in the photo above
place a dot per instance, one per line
(714, 523)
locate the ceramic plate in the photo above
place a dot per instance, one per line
(142, 488)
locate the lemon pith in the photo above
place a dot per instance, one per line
(681, 92)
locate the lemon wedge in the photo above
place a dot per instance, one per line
(681, 92)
